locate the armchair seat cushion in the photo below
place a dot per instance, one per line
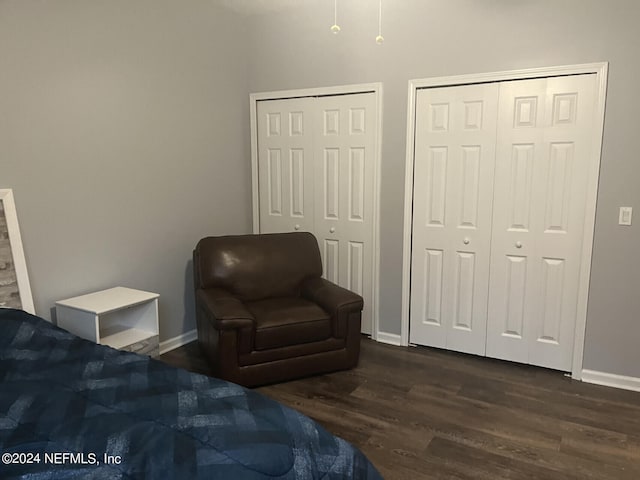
(286, 321)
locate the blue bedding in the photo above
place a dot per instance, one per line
(73, 409)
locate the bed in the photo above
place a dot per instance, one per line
(72, 409)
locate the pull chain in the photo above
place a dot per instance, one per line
(380, 38)
(335, 28)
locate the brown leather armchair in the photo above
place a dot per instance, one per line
(264, 313)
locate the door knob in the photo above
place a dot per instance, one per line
(297, 227)
(466, 241)
(518, 244)
(332, 229)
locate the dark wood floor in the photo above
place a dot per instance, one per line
(425, 413)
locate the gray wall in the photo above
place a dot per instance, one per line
(293, 48)
(123, 135)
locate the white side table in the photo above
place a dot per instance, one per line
(120, 317)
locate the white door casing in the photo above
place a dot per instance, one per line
(544, 139)
(454, 170)
(319, 149)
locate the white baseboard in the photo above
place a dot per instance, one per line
(180, 340)
(611, 380)
(390, 338)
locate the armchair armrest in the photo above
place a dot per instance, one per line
(225, 310)
(330, 296)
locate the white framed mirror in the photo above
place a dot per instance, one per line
(15, 290)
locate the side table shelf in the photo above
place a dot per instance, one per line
(120, 317)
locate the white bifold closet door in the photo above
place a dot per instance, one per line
(499, 202)
(544, 142)
(344, 189)
(316, 174)
(453, 188)
(285, 165)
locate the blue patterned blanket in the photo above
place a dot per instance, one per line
(73, 409)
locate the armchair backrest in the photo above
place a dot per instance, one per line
(253, 267)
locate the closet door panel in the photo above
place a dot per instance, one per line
(285, 165)
(344, 149)
(568, 144)
(453, 176)
(540, 188)
(519, 154)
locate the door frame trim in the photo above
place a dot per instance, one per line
(600, 69)
(376, 89)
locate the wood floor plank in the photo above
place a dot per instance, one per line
(421, 413)
(487, 465)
